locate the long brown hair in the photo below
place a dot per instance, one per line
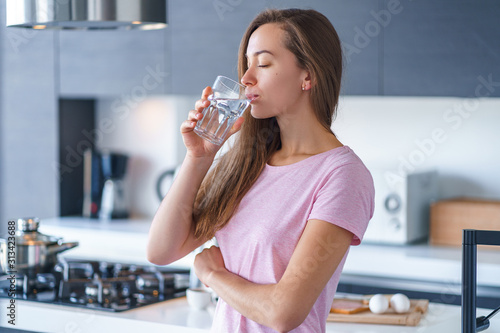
(310, 36)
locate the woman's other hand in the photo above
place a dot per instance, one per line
(197, 146)
(208, 261)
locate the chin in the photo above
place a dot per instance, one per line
(260, 114)
(256, 114)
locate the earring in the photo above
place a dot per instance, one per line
(303, 87)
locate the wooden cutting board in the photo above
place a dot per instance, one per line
(418, 307)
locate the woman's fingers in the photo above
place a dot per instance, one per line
(190, 122)
(187, 126)
(206, 92)
(201, 104)
(194, 115)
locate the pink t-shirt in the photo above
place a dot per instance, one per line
(259, 240)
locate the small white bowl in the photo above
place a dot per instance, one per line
(198, 298)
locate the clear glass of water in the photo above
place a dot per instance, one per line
(227, 103)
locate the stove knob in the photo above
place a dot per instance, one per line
(147, 282)
(125, 291)
(105, 270)
(117, 268)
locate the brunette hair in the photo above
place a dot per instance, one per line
(310, 36)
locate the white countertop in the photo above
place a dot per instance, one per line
(113, 240)
(176, 316)
(125, 240)
(421, 262)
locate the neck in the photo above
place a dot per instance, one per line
(302, 134)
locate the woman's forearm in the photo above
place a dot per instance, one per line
(173, 221)
(266, 304)
(285, 304)
(252, 300)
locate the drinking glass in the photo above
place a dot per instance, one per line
(227, 103)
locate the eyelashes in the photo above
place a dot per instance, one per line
(259, 66)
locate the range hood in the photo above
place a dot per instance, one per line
(87, 14)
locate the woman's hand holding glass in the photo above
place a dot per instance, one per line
(196, 146)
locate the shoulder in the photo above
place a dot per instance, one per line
(343, 162)
(345, 195)
(345, 178)
(342, 155)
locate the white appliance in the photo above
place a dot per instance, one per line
(402, 204)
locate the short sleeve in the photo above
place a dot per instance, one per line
(346, 198)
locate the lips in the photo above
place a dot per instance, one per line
(252, 97)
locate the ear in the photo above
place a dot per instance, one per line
(307, 82)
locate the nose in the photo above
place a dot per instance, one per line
(248, 79)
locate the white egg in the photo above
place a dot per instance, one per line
(400, 303)
(378, 303)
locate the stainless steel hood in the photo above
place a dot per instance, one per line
(87, 14)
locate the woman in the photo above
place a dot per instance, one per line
(287, 200)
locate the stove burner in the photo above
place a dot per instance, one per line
(100, 285)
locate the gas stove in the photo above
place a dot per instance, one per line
(99, 285)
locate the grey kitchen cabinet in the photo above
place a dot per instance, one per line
(443, 48)
(391, 47)
(108, 63)
(205, 40)
(360, 34)
(416, 48)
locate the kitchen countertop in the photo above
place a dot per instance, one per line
(176, 316)
(112, 240)
(125, 240)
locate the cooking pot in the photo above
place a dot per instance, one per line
(34, 251)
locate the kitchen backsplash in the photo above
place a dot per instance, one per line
(148, 131)
(456, 136)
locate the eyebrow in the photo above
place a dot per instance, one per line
(260, 52)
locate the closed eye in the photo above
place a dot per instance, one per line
(263, 66)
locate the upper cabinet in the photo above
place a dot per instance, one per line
(443, 48)
(99, 63)
(391, 47)
(205, 40)
(360, 34)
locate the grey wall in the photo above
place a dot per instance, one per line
(2, 222)
(29, 140)
(423, 48)
(38, 67)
